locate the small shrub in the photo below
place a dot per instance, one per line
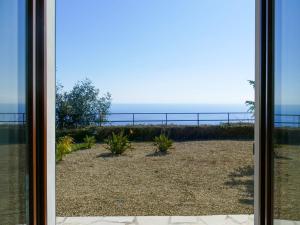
(64, 146)
(117, 144)
(89, 141)
(162, 143)
(79, 146)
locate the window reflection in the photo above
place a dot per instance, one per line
(13, 126)
(287, 111)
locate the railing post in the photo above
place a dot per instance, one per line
(166, 119)
(198, 119)
(23, 115)
(132, 119)
(228, 120)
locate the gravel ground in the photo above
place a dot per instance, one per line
(196, 178)
(287, 182)
(12, 183)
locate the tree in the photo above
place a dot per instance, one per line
(81, 105)
(63, 109)
(251, 104)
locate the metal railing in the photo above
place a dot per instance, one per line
(167, 118)
(15, 118)
(176, 118)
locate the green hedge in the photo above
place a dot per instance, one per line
(285, 135)
(13, 134)
(177, 133)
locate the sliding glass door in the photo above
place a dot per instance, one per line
(14, 148)
(286, 109)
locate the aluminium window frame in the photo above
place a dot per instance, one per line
(41, 110)
(41, 36)
(264, 102)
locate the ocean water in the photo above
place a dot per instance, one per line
(287, 116)
(177, 108)
(12, 113)
(187, 114)
(179, 114)
(12, 108)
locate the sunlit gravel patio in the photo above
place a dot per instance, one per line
(195, 178)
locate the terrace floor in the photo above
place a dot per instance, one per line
(168, 220)
(159, 220)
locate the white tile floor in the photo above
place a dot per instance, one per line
(159, 220)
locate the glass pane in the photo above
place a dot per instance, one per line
(287, 111)
(168, 73)
(13, 126)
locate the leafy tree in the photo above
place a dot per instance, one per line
(81, 105)
(63, 109)
(251, 104)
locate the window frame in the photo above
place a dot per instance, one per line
(41, 110)
(41, 37)
(264, 98)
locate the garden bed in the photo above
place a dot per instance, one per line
(195, 178)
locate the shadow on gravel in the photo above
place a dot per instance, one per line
(242, 179)
(106, 155)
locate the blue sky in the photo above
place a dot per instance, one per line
(12, 52)
(287, 53)
(159, 51)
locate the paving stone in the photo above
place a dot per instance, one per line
(200, 223)
(213, 220)
(286, 222)
(230, 221)
(72, 223)
(165, 220)
(196, 223)
(239, 218)
(251, 220)
(60, 220)
(83, 220)
(151, 220)
(107, 223)
(183, 219)
(119, 219)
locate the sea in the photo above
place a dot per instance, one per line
(177, 114)
(198, 114)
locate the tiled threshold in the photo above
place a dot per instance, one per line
(159, 220)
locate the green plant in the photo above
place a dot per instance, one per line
(89, 141)
(64, 146)
(117, 144)
(79, 146)
(162, 143)
(251, 104)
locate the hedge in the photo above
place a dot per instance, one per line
(13, 134)
(176, 133)
(290, 136)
